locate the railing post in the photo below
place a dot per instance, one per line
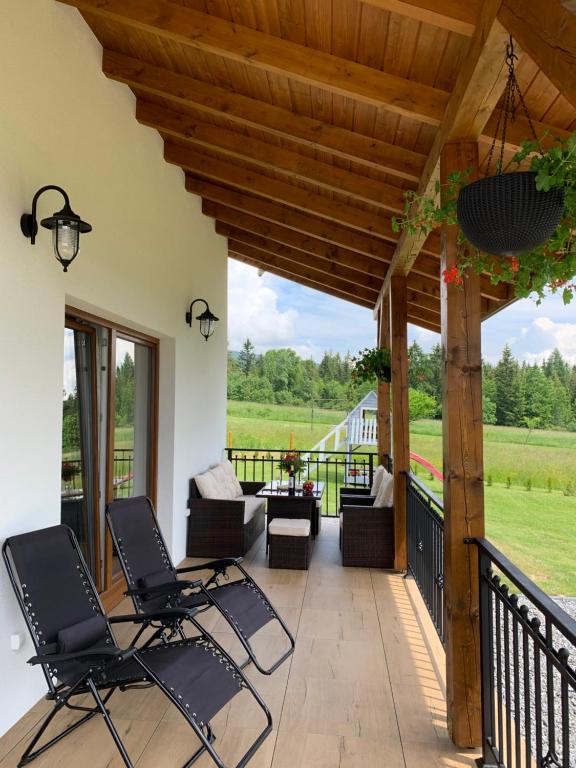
(486, 672)
(371, 468)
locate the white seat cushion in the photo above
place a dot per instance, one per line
(282, 526)
(385, 496)
(251, 505)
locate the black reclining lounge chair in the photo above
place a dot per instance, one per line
(153, 580)
(78, 653)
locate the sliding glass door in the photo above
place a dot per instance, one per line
(108, 434)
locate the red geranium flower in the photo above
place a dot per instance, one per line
(452, 275)
(514, 264)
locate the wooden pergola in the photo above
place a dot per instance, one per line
(301, 123)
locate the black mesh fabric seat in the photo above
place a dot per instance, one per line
(153, 580)
(78, 653)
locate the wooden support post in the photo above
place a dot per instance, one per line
(463, 475)
(400, 421)
(383, 423)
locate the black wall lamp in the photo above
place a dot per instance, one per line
(207, 319)
(66, 227)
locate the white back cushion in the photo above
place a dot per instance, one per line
(212, 484)
(377, 480)
(231, 479)
(385, 495)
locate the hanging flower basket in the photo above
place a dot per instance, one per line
(372, 363)
(506, 215)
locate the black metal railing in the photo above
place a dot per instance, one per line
(425, 544)
(333, 468)
(528, 652)
(122, 469)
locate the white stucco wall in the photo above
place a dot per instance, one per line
(151, 252)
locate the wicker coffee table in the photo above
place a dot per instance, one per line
(280, 504)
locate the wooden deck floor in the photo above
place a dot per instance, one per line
(364, 687)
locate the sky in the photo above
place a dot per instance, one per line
(273, 312)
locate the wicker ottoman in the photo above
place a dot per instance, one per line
(289, 545)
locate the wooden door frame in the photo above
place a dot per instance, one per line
(112, 590)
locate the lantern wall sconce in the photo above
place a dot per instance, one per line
(66, 227)
(207, 319)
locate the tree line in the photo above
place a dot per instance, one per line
(536, 396)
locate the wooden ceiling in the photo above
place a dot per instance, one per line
(301, 123)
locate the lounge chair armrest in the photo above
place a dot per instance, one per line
(162, 614)
(251, 487)
(218, 566)
(103, 654)
(164, 589)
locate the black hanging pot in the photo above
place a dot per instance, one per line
(506, 215)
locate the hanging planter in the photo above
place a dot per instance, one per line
(517, 227)
(506, 215)
(372, 363)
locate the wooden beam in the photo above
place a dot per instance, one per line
(325, 265)
(546, 30)
(305, 223)
(435, 327)
(400, 417)
(463, 478)
(383, 390)
(238, 220)
(453, 15)
(338, 211)
(478, 87)
(189, 92)
(229, 143)
(267, 267)
(320, 278)
(518, 130)
(418, 312)
(204, 32)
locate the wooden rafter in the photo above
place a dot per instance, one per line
(328, 266)
(189, 92)
(546, 30)
(478, 88)
(203, 32)
(274, 270)
(310, 273)
(269, 156)
(282, 192)
(453, 15)
(344, 263)
(306, 223)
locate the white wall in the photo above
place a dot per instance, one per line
(151, 252)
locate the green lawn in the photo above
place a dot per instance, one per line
(535, 528)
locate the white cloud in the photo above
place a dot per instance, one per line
(537, 357)
(253, 310)
(561, 336)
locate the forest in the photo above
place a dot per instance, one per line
(515, 394)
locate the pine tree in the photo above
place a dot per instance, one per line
(506, 378)
(247, 357)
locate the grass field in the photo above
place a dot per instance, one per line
(536, 528)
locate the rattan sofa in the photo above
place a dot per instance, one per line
(224, 527)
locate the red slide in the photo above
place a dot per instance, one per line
(426, 464)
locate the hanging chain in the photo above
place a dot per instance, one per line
(512, 93)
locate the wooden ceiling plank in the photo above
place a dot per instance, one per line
(241, 224)
(546, 30)
(281, 192)
(453, 15)
(326, 266)
(263, 265)
(208, 33)
(478, 87)
(189, 92)
(270, 156)
(309, 273)
(306, 223)
(423, 323)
